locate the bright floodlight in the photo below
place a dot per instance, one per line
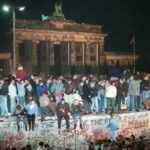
(6, 8)
(21, 8)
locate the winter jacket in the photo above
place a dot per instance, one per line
(122, 90)
(21, 74)
(94, 90)
(69, 88)
(66, 108)
(41, 90)
(12, 90)
(57, 88)
(4, 89)
(86, 90)
(32, 110)
(114, 123)
(21, 90)
(134, 88)
(111, 91)
(145, 84)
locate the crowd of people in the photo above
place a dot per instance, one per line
(122, 143)
(28, 96)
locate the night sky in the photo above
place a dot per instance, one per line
(121, 19)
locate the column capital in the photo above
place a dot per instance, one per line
(18, 41)
(35, 41)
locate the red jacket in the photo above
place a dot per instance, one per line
(21, 74)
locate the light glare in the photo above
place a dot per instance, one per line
(6, 8)
(21, 8)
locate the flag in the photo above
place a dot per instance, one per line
(132, 41)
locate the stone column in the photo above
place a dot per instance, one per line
(87, 54)
(34, 53)
(72, 54)
(17, 52)
(51, 44)
(101, 53)
(97, 54)
(83, 54)
(68, 48)
(34, 56)
(51, 57)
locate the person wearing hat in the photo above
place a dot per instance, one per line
(63, 111)
(76, 110)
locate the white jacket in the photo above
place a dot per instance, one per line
(12, 91)
(111, 91)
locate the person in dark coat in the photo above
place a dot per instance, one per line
(94, 95)
(69, 88)
(145, 88)
(41, 88)
(121, 92)
(63, 111)
(86, 97)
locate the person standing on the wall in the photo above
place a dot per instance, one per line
(63, 111)
(86, 97)
(3, 97)
(68, 93)
(32, 112)
(44, 103)
(12, 92)
(21, 92)
(57, 89)
(111, 93)
(76, 109)
(145, 88)
(41, 89)
(94, 95)
(121, 92)
(134, 93)
(20, 73)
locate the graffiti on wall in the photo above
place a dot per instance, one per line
(94, 128)
(138, 124)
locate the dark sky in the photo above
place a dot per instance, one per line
(121, 19)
